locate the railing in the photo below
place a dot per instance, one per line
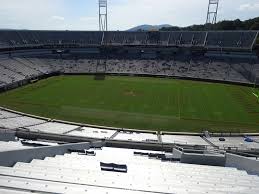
(198, 150)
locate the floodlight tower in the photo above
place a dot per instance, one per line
(212, 12)
(103, 15)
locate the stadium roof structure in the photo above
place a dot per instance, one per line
(23, 39)
(43, 155)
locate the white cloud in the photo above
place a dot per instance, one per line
(249, 7)
(30, 14)
(122, 14)
(59, 18)
(175, 12)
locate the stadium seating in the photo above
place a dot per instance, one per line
(36, 64)
(2, 84)
(234, 39)
(10, 38)
(8, 76)
(164, 38)
(143, 175)
(28, 37)
(226, 39)
(49, 166)
(187, 38)
(17, 69)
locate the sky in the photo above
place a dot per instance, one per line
(122, 14)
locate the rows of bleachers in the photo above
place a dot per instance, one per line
(8, 76)
(225, 39)
(13, 70)
(144, 175)
(19, 68)
(36, 65)
(221, 39)
(202, 68)
(195, 68)
(2, 84)
(40, 65)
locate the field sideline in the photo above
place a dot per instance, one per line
(140, 103)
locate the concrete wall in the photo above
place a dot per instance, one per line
(203, 159)
(9, 158)
(177, 153)
(7, 135)
(242, 163)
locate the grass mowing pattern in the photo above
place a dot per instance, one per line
(142, 103)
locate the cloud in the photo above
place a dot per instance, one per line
(122, 14)
(30, 14)
(249, 7)
(175, 12)
(59, 18)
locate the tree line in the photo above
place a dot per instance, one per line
(251, 24)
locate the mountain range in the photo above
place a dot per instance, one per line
(250, 24)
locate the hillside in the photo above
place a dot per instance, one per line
(147, 27)
(251, 24)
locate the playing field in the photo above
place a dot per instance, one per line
(141, 103)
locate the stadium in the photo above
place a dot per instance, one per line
(129, 111)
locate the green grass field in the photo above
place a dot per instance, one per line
(141, 103)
